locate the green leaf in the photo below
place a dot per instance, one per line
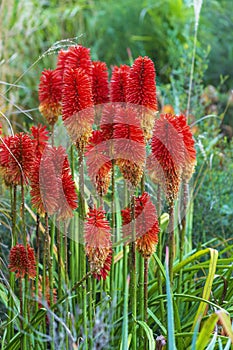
(157, 321)
(170, 316)
(149, 334)
(206, 332)
(208, 285)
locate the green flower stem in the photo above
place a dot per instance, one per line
(10, 328)
(51, 270)
(82, 255)
(25, 291)
(133, 281)
(171, 242)
(159, 253)
(183, 230)
(146, 266)
(112, 271)
(184, 216)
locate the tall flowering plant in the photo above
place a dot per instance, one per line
(118, 138)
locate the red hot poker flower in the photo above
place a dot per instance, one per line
(141, 90)
(119, 83)
(100, 89)
(78, 57)
(98, 162)
(169, 151)
(16, 157)
(189, 149)
(129, 145)
(50, 94)
(61, 62)
(44, 184)
(77, 106)
(68, 199)
(98, 244)
(22, 261)
(40, 136)
(146, 221)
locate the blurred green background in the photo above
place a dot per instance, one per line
(117, 32)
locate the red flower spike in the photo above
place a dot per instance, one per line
(100, 89)
(17, 157)
(129, 145)
(141, 90)
(22, 261)
(40, 136)
(50, 94)
(78, 57)
(155, 170)
(77, 106)
(108, 120)
(98, 244)
(68, 196)
(61, 62)
(44, 184)
(146, 221)
(189, 149)
(103, 272)
(119, 83)
(98, 162)
(169, 151)
(53, 189)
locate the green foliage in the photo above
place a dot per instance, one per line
(214, 197)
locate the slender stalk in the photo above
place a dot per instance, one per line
(197, 14)
(159, 253)
(146, 266)
(133, 285)
(37, 259)
(183, 221)
(10, 329)
(51, 268)
(59, 258)
(82, 255)
(25, 292)
(46, 255)
(171, 242)
(21, 311)
(183, 230)
(112, 289)
(141, 277)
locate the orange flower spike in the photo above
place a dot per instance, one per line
(50, 94)
(147, 226)
(189, 149)
(17, 157)
(141, 90)
(77, 106)
(99, 164)
(129, 145)
(40, 136)
(119, 83)
(169, 151)
(44, 183)
(100, 88)
(98, 244)
(22, 261)
(68, 197)
(77, 57)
